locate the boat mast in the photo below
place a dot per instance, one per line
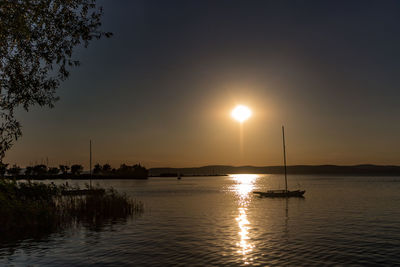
(90, 151)
(284, 155)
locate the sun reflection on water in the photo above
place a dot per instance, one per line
(244, 244)
(244, 185)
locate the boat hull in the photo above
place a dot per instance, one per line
(281, 193)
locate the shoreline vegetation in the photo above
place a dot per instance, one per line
(75, 171)
(32, 209)
(103, 172)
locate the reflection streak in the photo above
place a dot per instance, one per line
(244, 184)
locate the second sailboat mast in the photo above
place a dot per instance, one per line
(284, 155)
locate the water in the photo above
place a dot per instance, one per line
(218, 221)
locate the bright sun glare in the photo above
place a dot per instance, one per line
(241, 113)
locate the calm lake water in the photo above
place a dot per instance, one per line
(218, 221)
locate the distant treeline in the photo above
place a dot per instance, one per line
(364, 170)
(175, 174)
(75, 171)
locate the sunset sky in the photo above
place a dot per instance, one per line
(161, 90)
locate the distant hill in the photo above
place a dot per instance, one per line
(366, 169)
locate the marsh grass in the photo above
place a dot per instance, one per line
(31, 209)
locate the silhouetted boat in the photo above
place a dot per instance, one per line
(179, 176)
(286, 192)
(280, 193)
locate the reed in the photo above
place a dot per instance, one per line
(27, 208)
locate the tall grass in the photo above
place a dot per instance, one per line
(32, 208)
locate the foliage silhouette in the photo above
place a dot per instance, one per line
(134, 170)
(97, 169)
(3, 169)
(39, 170)
(54, 171)
(37, 40)
(64, 169)
(106, 169)
(14, 170)
(76, 169)
(28, 170)
(124, 171)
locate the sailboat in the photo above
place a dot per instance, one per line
(286, 192)
(179, 176)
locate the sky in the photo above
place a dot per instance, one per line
(160, 91)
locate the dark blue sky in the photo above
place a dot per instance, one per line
(161, 89)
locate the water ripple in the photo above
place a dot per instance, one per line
(214, 221)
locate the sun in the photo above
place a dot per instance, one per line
(241, 113)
